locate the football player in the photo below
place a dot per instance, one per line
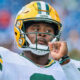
(37, 32)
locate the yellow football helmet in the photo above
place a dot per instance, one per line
(35, 11)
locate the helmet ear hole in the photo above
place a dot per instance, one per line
(26, 44)
(16, 33)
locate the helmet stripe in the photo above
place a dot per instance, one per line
(43, 8)
(47, 8)
(39, 7)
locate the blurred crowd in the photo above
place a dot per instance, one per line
(68, 11)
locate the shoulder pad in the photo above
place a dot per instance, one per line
(76, 63)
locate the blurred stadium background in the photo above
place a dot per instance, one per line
(68, 10)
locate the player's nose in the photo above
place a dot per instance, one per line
(42, 32)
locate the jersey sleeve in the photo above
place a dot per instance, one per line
(9, 62)
(71, 71)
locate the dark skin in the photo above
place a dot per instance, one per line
(57, 49)
(41, 60)
(42, 39)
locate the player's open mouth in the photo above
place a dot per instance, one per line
(42, 41)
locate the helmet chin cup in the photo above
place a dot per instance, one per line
(39, 47)
(34, 51)
(37, 52)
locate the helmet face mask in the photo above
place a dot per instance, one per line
(21, 35)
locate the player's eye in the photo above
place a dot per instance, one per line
(36, 30)
(48, 31)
